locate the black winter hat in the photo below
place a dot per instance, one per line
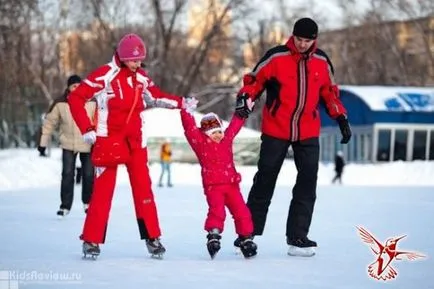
(305, 28)
(73, 79)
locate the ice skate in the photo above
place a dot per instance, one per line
(90, 250)
(85, 208)
(237, 245)
(61, 213)
(155, 248)
(248, 247)
(213, 243)
(302, 247)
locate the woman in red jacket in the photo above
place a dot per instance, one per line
(220, 180)
(123, 91)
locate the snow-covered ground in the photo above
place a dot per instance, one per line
(37, 249)
(23, 168)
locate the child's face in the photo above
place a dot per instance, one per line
(216, 136)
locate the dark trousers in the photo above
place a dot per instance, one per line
(338, 177)
(68, 173)
(272, 155)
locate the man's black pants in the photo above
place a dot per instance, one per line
(272, 155)
(68, 173)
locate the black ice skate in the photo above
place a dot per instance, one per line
(247, 246)
(213, 243)
(155, 248)
(62, 213)
(91, 250)
(301, 247)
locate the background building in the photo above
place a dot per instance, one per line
(389, 124)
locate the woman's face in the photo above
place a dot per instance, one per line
(133, 65)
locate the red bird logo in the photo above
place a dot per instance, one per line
(381, 268)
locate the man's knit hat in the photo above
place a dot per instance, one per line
(305, 28)
(73, 79)
(211, 123)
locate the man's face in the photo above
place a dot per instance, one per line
(303, 44)
(72, 87)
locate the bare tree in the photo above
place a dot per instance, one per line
(421, 14)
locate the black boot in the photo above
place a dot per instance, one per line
(213, 243)
(301, 242)
(237, 242)
(247, 246)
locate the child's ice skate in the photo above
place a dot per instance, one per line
(247, 247)
(155, 248)
(213, 243)
(91, 250)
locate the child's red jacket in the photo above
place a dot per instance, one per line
(216, 159)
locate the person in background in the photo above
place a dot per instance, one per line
(165, 160)
(339, 167)
(78, 175)
(72, 144)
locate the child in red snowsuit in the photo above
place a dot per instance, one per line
(220, 180)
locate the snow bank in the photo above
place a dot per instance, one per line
(23, 168)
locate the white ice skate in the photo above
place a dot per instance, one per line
(302, 247)
(61, 213)
(301, 252)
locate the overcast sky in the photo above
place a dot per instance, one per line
(328, 10)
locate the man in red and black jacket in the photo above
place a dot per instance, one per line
(296, 76)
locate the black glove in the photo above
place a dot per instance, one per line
(345, 128)
(243, 107)
(42, 151)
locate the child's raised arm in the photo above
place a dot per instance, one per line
(234, 127)
(191, 131)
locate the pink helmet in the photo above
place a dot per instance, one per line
(131, 48)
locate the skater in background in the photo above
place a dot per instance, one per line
(78, 175)
(72, 145)
(122, 90)
(339, 167)
(166, 161)
(213, 148)
(295, 76)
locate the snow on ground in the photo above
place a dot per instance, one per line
(36, 249)
(23, 168)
